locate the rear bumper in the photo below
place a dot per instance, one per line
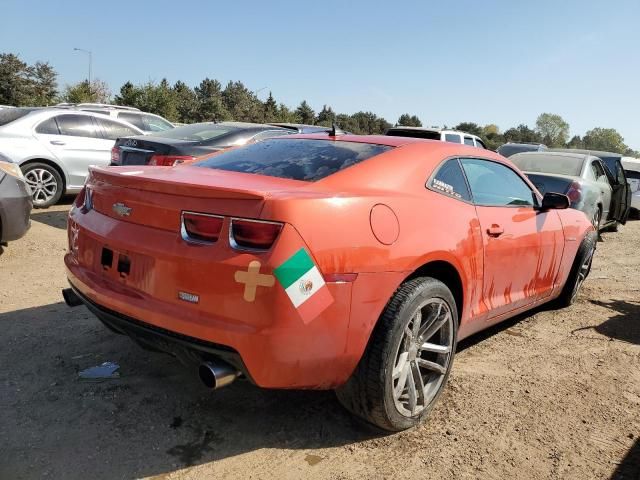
(148, 336)
(15, 208)
(266, 338)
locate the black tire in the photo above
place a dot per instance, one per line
(584, 257)
(43, 198)
(369, 392)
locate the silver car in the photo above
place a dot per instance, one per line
(581, 177)
(54, 147)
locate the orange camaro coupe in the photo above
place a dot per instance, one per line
(345, 262)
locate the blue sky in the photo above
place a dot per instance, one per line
(500, 62)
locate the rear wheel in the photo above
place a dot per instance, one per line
(597, 218)
(408, 359)
(45, 183)
(579, 271)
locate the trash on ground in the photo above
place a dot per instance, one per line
(100, 372)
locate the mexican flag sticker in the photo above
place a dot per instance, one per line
(304, 285)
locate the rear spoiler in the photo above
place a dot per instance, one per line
(174, 181)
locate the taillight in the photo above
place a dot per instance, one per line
(253, 234)
(574, 192)
(169, 160)
(201, 227)
(115, 155)
(80, 198)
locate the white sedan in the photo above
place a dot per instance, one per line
(54, 147)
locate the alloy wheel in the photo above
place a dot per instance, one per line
(43, 185)
(423, 357)
(584, 270)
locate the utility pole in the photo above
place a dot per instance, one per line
(90, 62)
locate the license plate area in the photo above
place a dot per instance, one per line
(110, 259)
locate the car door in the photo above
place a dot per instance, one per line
(621, 193)
(520, 262)
(598, 175)
(624, 193)
(74, 139)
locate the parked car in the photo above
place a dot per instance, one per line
(183, 144)
(444, 135)
(632, 172)
(615, 171)
(147, 122)
(54, 147)
(581, 177)
(511, 148)
(352, 263)
(15, 202)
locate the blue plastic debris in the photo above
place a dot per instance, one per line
(100, 372)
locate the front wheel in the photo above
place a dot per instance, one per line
(45, 183)
(579, 271)
(407, 362)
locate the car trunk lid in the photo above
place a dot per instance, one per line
(156, 196)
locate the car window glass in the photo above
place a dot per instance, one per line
(114, 130)
(494, 184)
(156, 124)
(134, 119)
(270, 134)
(468, 141)
(452, 137)
(77, 126)
(450, 180)
(297, 159)
(479, 143)
(48, 127)
(598, 172)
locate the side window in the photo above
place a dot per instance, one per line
(494, 184)
(598, 172)
(134, 119)
(452, 137)
(479, 144)
(77, 126)
(48, 127)
(468, 141)
(270, 134)
(450, 180)
(114, 130)
(155, 124)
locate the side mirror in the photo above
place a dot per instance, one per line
(554, 201)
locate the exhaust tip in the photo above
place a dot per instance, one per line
(71, 298)
(216, 375)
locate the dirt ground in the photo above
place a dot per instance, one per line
(554, 394)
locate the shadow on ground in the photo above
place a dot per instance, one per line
(624, 325)
(155, 418)
(629, 468)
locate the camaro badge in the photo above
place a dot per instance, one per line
(253, 279)
(121, 209)
(189, 297)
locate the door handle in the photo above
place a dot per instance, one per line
(57, 142)
(495, 230)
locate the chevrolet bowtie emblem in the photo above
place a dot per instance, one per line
(121, 209)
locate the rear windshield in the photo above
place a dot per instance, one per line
(197, 132)
(554, 164)
(428, 134)
(508, 150)
(297, 159)
(8, 115)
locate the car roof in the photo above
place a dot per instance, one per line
(431, 129)
(546, 153)
(596, 153)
